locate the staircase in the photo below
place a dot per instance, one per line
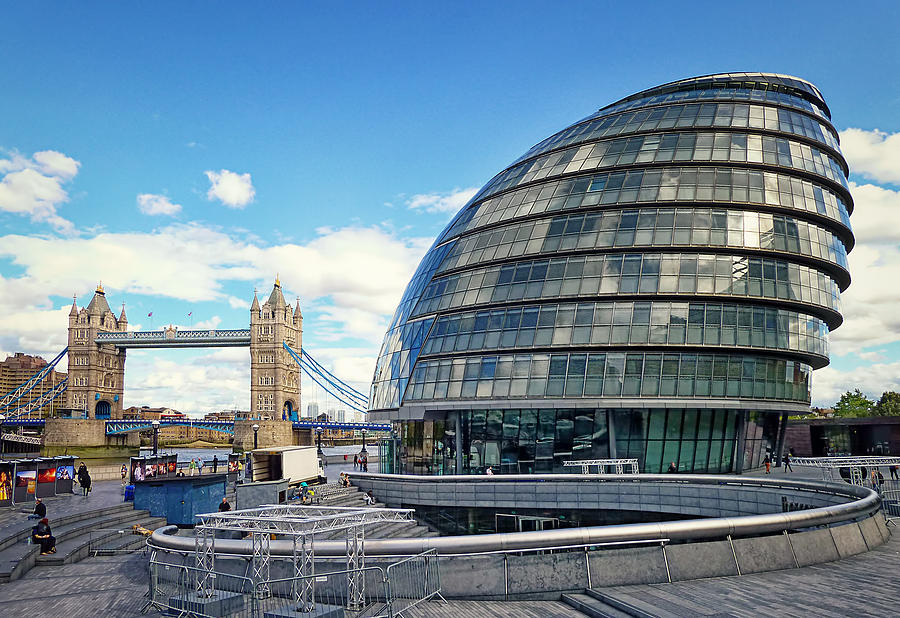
(95, 532)
(352, 496)
(596, 604)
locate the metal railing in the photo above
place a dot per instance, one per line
(182, 589)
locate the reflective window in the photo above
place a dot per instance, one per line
(612, 374)
(628, 323)
(703, 227)
(398, 356)
(632, 273)
(675, 184)
(666, 147)
(737, 115)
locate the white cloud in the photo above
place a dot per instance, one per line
(870, 306)
(151, 204)
(875, 356)
(830, 383)
(232, 189)
(874, 154)
(442, 202)
(34, 186)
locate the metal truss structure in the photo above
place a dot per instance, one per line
(17, 437)
(237, 337)
(298, 524)
(601, 464)
(856, 464)
(7, 399)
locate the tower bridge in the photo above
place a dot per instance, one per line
(93, 392)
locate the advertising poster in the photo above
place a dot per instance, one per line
(64, 476)
(46, 479)
(137, 470)
(172, 466)
(26, 483)
(6, 491)
(162, 469)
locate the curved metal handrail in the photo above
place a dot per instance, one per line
(863, 502)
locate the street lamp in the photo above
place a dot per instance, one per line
(155, 425)
(319, 440)
(363, 432)
(255, 429)
(2, 420)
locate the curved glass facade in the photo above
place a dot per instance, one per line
(655, 281)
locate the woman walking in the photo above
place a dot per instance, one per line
(84, 479)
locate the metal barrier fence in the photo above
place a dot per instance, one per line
(890, 496)
(185, 590)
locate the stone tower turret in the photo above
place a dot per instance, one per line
(274, 376)
(96, 370)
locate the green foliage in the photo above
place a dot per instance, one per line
(888, 405)
(853, 404)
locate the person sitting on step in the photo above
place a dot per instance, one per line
(42, 535)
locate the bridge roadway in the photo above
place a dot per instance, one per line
(117, 427)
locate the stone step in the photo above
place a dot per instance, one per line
(628, 608)
(592, 607)
(78, 548)
(126, 542)
(18, 559)
(24, 530)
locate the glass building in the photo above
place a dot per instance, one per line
(655, 281)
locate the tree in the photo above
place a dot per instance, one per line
(854, 404)
(888, 405)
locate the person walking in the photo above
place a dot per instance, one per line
(224, 506)
(43, 536)
(84, 479)
(215, 463)
(192, 466)
(768, 462)
(893, 470)
(355, 461)
(200, 466)
(489, 471)
(124, 472)
(672, 468)
(787, 463)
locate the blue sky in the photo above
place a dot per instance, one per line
(186, 153)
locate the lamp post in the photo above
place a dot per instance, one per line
(319, 440)
(2, 420)
(395, 455)
(255, 429)
(363, 432)
(155, 425)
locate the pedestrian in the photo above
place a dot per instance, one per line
(192, 466)
(200, 466)
(880, 477)
(355, 461)
(215, 463)
(40, 510)
(84, 479)
(43, 536)
(768, 462)
(224, 506)
(874, 479)
(672, 468)
(787, 463)
(365, 463)
(893, 470)
(489, 471)
(124, 472)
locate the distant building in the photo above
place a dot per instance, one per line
(16, 370)
(312, 410)
(179, 433)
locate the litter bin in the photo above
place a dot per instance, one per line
(129, 493)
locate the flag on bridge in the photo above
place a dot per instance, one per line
(190, 314)
(150, 315)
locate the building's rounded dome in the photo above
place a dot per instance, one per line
(686, 245)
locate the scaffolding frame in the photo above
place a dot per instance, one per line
(829, 464)
(601, 465)
(300, 524)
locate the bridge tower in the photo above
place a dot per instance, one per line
(96, 372)
(274, 376)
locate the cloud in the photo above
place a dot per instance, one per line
(442, 202)
(874, 154)
(232, 189)
(870, 306)
(151, 204)
(34, 186)
(830, 383)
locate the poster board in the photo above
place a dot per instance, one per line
(46, 478)
(6, 482)
(26, 481)
(65, 474)
(137, 469)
